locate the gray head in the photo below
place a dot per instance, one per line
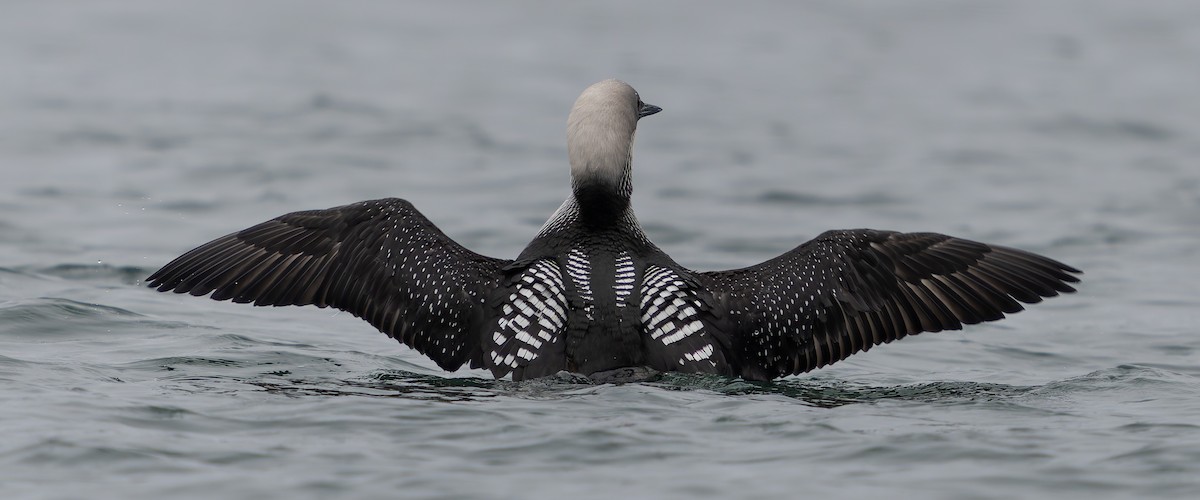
(600, 136)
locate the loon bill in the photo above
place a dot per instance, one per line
(592, 294)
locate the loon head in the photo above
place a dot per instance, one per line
(600, 141)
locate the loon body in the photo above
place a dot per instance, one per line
(592, 294)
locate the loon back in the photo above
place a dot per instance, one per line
(591, 293)
(588, 299)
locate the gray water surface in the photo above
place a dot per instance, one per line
(134, 130)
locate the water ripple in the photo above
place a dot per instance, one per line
(37, 318)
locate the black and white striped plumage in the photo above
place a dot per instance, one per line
(591, 293)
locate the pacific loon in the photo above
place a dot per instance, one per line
(592, 294)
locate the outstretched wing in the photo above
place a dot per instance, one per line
(380, 260)
(847, 291)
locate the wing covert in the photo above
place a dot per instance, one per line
(846, 291)
(380, 260)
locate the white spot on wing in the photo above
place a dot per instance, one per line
(533, 317)
(669, 313)
(579, 269)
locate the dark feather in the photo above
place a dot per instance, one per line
(846, 291)
(380, 260)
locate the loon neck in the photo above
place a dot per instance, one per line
(600, 150)
(602, 199)
(600, 133)
(604, 214)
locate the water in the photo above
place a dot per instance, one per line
(135, 130)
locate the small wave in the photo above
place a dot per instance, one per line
(54, 314)
(133, 458)
(59, 316)
(192, 206)
(244, 362)
(795, 198)
(384, 384)
(967, 157)
(834, 393)
(1125, 377)
(1100, 235)
(1103, 129)
(55, 308)
(94, 273)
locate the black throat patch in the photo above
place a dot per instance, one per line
(600, 204)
